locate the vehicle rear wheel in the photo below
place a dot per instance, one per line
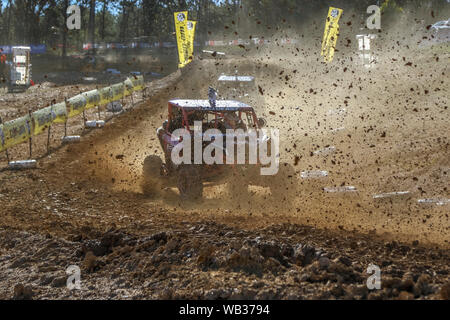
(283, 185)
(152, 179)
(238, 184)
(190, 183)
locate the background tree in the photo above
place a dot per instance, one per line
(126, 21)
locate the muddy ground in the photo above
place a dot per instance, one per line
(389, 126)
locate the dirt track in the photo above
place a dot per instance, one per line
(87, 197)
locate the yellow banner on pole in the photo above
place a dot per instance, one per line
(118, 91)
(331, 33)
(59, 111)
(128, 87)
(17, 131)
(42, 119)
(92, 98)
(191, 36)
(138, 82)
(106, 95)
(182, 37)
(76, 105)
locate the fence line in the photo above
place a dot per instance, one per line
(22, 129)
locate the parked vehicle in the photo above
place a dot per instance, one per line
(20, 69)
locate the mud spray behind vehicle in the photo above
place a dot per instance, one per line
(242, 88)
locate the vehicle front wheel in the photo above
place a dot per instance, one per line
(190, 183)
(152, 179)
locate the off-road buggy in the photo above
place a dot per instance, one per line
(190, 178)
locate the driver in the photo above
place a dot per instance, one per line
(232, 121)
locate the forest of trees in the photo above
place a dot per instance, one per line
(43, 21)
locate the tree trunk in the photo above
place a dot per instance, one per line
(150, 10)
(64, 31)
(92, 25)
(8, 35)
(102, 34)
(124, 24)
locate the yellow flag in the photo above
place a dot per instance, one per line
(331, 33)
(182, 37)
(191, 36)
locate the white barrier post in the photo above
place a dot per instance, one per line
(22, 164)
(71, 139)
(95, 124)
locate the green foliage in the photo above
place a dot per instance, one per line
(43, 21)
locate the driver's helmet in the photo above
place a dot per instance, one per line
(231, 119)
(165, 124)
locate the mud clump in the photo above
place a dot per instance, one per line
(304, 255)
(22, 292)
(212, 261)
(104, 245)
(445, 291)
(90, 261)
(246, 259)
